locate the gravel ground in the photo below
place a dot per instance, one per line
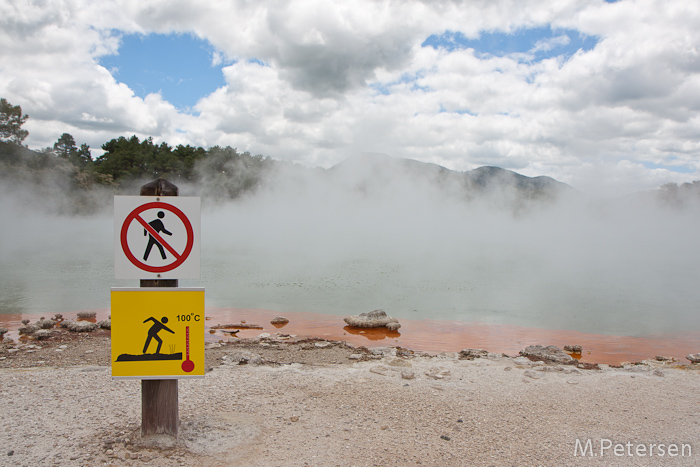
(321, 403)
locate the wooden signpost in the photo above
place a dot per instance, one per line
(152, 314)
(159, 397)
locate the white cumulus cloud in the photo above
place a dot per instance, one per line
(317, 81)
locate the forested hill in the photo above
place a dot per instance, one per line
(380, 170)
(65, 178)
(224, 173)
(70, 171)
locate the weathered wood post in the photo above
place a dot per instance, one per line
(159, 397)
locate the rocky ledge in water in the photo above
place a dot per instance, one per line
(373, 319)
(551, 353)
(694, 357)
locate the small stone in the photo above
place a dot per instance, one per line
(379, 370)
(437, 373)
(694, 357)
(373, 319)
(81, 326)
(42, 334)
(28, 329)
(244, 358)
(384, 351)
(264, 335)
(576, 349)
(445, 437)
(355, 356)
(45, 323)
(322, 344)
(408, 374)
(471, 354)
(551, 353)
(588, 366)
(384, 427)
(279, 320)
(11, 453)
(294, 419)
(400, 362)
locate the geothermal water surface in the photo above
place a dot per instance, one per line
(627, 272)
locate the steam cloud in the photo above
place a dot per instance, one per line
(376, 235)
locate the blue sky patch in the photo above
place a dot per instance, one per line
(540, 43)
(683, 169)
(457, 111)
(406, 78)
(179, 66)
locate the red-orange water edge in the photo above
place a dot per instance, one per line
(436, 336)
(453, 336)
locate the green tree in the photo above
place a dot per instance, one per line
(11, 121)
(188, 157)
(130, 158)
(230, 174)
(123, 158)
(84, 155)
(65, 148)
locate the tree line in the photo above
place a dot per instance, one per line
(217, 172)
(126, 160)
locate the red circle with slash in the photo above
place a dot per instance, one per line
(179, 257)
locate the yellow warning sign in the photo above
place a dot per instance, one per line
(157, 333)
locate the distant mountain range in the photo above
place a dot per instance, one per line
(221, 174)
(376, 171)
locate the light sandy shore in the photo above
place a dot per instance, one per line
(63, 408)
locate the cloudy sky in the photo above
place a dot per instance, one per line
(603, 96)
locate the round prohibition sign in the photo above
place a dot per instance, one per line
(179, 257)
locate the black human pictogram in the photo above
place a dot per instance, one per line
(158, 226)
(155, 328)
(153, 332)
